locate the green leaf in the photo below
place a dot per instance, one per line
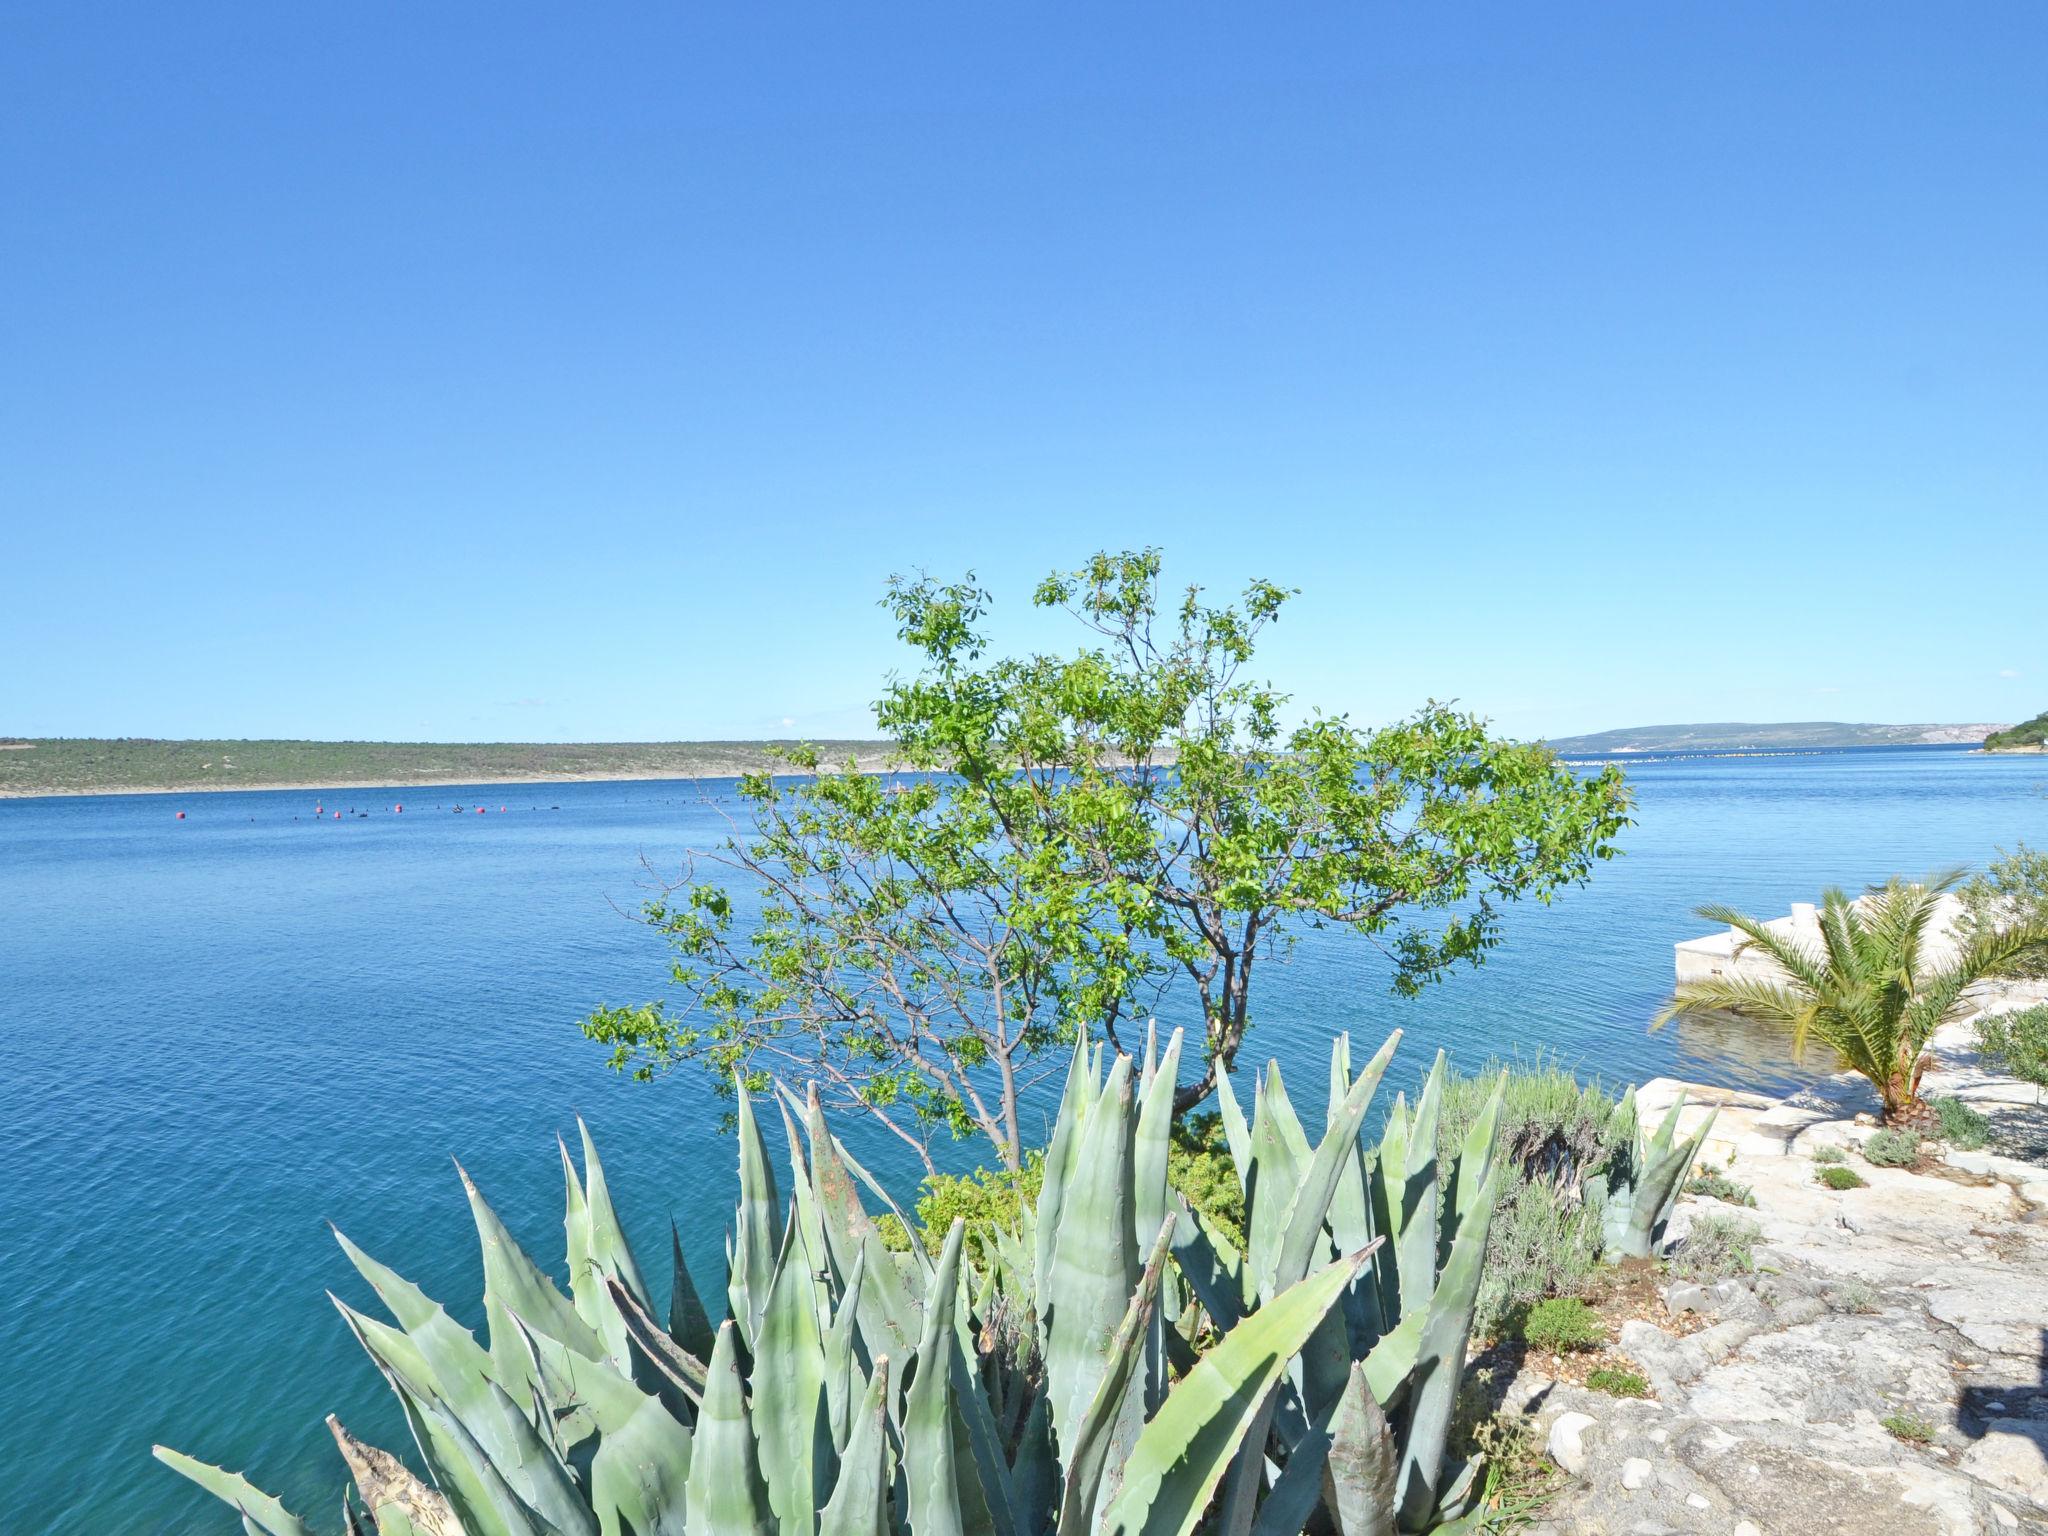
(262, 1511)
(790, 1410)
(1184, 1451)
(944, 1491)
(859, 1505)
(726, 1496)
(757, 1230)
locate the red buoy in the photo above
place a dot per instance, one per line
(479, 810)
(398, 810)
(337, 815)
(181, 815)
(501, 810)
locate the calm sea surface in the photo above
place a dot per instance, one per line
(225, 1032)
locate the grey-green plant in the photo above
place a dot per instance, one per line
(2017, 1042)
(1113, 1369)
(1640, 1186)
(1828, 1154)
(1892, 1149)
(1718, 1186)
(1909, 1426)
(1618, 1382)
(1562, 1324)
(1838, 1177)
(1959, 1124)
(1717, 1246)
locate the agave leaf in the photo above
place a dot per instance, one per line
(889, 1318)
(399, 1503)
(757, 1231)
(1153, 1147)
(943, 1488)
(859, 1505)
(457, 1368)
(1415, 1248)
(726, 1496)
(263, 1513)
(1092, 1438)
(484, 1503)
(660, 1365)
(1276, 1173)
(514, 1283)
(1034, 1475)
(536, 1473)
(1211, 1267)
(843, 1383)
(1061, 1151)
(809, 1224)
(790, 1414)
(610, 1253)
(1184, 1451)
(1358, 1471)
(1440, 1363)
(688, 1324)
(1236, 1134)
(1308, 1204)
(1095, 1263)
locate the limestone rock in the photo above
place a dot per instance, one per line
(1567, 1444)
(2013, 1455)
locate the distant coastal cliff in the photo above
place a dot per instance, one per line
(1797, 735)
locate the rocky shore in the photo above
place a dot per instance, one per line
(1881, 1370)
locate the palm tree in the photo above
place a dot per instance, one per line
(1869, 991)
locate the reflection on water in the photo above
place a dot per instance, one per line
(1724, 1048)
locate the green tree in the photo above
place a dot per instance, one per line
(2013, 889)
(1085, 839)
(1869, 991)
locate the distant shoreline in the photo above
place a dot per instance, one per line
(70, 767)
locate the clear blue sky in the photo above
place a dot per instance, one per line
(508, 371)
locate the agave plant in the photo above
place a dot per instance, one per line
(856, 1391)
(1636, 1192)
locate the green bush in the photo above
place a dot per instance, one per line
(1563, 1324)
(2017, 1043)
(1892, 1149)
(1616, 1383)
(1717, 1246)
(1554, 1132)
(1908, 1426)
(1198, 1165)
(2013, 889)
(1841, 1178)
(1961, 1126)
(1828, 1154)
(1854, 1295)
(1719, 1186)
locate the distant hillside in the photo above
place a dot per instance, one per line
(89, 766)
(2030, 737)
(1737, 736)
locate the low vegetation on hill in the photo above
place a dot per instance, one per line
(2030, 734)
(100, 766)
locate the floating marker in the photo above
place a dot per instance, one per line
(398, 810)
(181, 815)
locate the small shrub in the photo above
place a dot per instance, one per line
(1841, 1178)
(1520, 1477)
(1828, 1154)
(1961, 1126)
(1717, 1246)
(1909, 1427)
(1892, 1149)
(2017, 1043)
(1855, 1296)
(1198, 1165)
(1617, 1383)
(2013, 889)
(1719, 1186)
(1563, 1324)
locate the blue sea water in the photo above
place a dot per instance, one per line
(223, 1033)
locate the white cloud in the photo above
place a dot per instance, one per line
(789, 719)
(2008, 671)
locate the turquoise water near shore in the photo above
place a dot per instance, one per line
(225, 1032)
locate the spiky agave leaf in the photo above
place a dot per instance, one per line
(688, 1323)
(726, 1496)
(943, 1486)
(1184, 1451)
(890, 1319)
(1095, 1261)
(757, 1229)
(264, 1513)
(513, 1283)
(859, 1505)
(790, 1410)
(638, 1473)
